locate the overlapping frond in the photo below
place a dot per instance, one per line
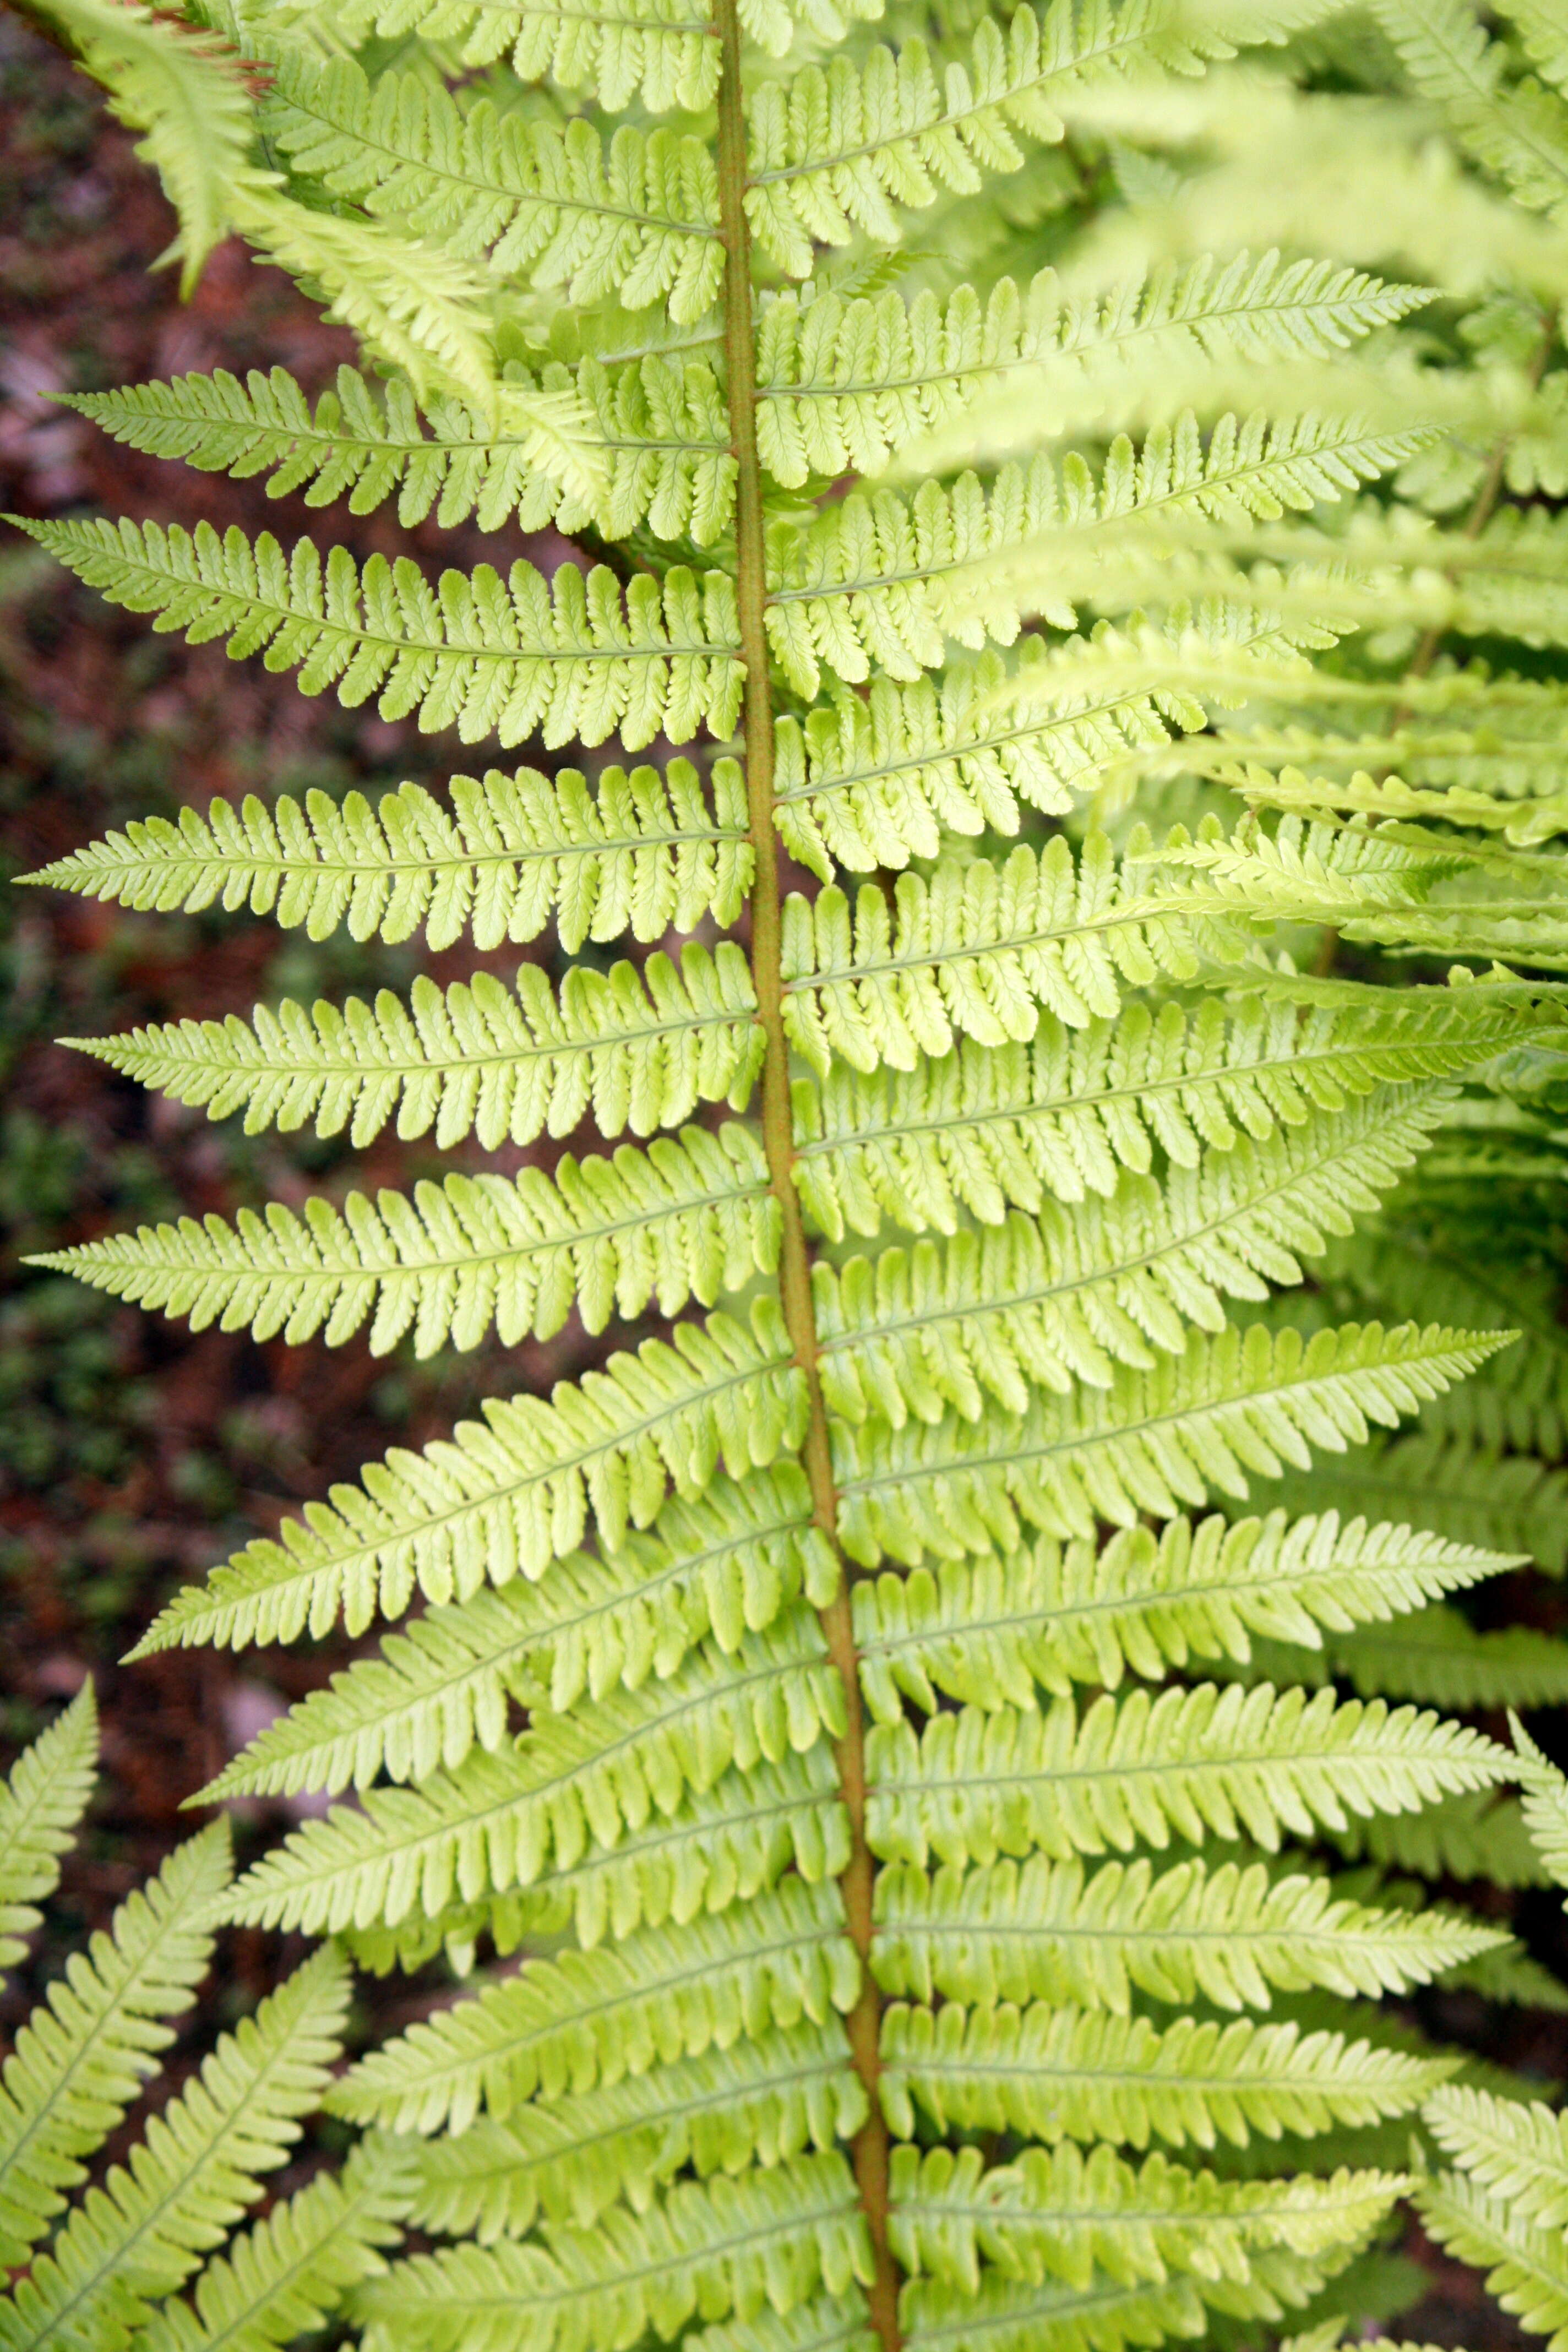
(640, 1048)
(635, 217)
(578, 656)
(686, 1219)
(638, 852)
(1050, 1931)
(42, 1798)
(1196, 1425)
(1436, 1656)
(987, 1631)
(1466, 1492)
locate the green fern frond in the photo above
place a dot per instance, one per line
(975, 949)
(687, 1219)
(42, 1798)
(1052, 1931)
(1060, 1299)
(577, 655)
(1152, 1441)
(974, 1784)
(572, 1784)
(1527, 2268)
(585, 2019)
(1052, 2073)
(1476, 1836)
(1438, 1658)
(766, 2236)
(615, 446)
(1515, 2150)
(638, 852)
(288, 2273)
(988, 1632)
(1466, 1492)
(1061, 2215)
(83, 2056)
(1007, 2315)
(640, 1048)
(985, 1129)
(1544, 1803)
(762, 2101)
(638, 218)
(1521, 133)
(1536, 24)
(197, 2169)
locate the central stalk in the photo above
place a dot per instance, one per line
(864, 2022)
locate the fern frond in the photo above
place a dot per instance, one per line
(291, 2270)
(576, 657)
(663, 51)
(987, 1631)
(611, 445)
(581, 2020)
(687, 1219)
(1521, 133)
(879, 579)
(501, 1820)
(1053, 2073)
(639, 852)
(1537, 25)
(1059, 2214)
(989, 1129)
(1195, 1763)
(1059, 1299)
(1477, 1836)
(1466, 1492)
(1514, 2149)
(976, 949)
(1544, 1803)
(1438, 1658)
(1527, 2268)
(42, 1798)
(640, 1048)
(1198, 1425)
(834, 150)
(85, 2052)
(638, 219)
(198, 2166)
(767, 2237)
(845, 381)
(762, 2101)
(1007, 2315)
(1050, 1931)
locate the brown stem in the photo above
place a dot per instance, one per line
(864, 2022)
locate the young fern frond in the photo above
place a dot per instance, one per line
(42, 1800)
(739, 1689)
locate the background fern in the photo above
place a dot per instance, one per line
(1112, 1166)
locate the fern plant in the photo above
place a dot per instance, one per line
(105, 2268)
(923, 1713)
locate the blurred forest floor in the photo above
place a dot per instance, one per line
(134, 1454)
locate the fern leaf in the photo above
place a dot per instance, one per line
(687, 1219)
(143, 2232)
(638, 219)
(881, 579)
(1060, 2214)
(42, 1798)
(768, 2236)
(639, 1049)
(1152, 1441)
(1438, 1658)
(1544, 1803)
(1008, 2315)
(975, 949)
(762, 2101)
(509, 1495)
(1515, 2149)
(974, 1785)
(660, 50)
(1055, 1300)
(585, 2019)
(611, 445)
(1521, 133)
(575, 655)
(989, 1129)
(501, 1820)
(291, 2270)
(845, 381)
(84, 2054)
(1527, 2267)
(640, 854)
(987, 1631)
(1464, 1491)
(1475, 1836)
(1050, 1931)
(1052, 2074)
(835, 149)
